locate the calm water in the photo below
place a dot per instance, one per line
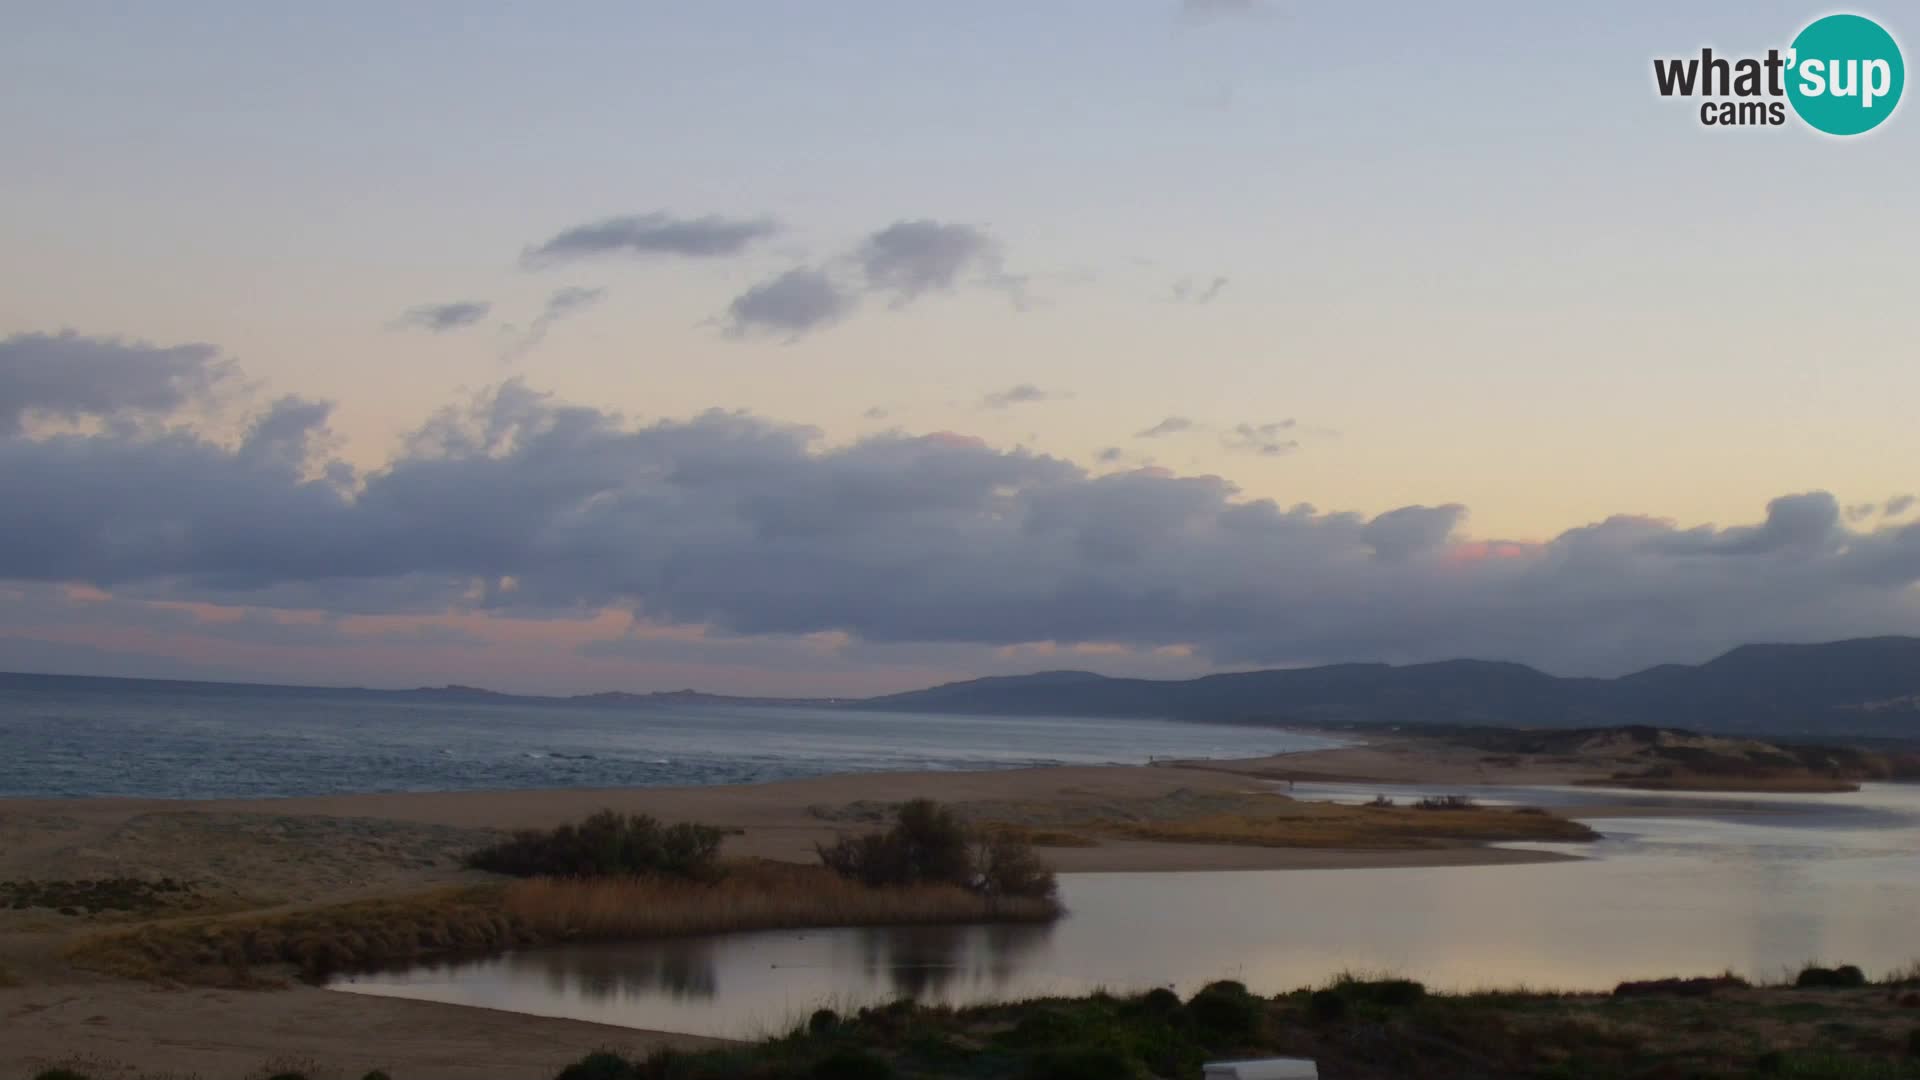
(94, 737)
(1755, 884)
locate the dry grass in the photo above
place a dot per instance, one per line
(1285, 823)
(252, 950)
(227, 951)
(754, 896)
(7, 977)
(1036, 837)
(1783, 783)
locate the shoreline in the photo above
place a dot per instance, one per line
(289, 853)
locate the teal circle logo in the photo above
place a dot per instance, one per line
(1845, 74)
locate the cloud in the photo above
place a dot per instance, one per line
(561, 304)
(902, 262)
(1172, 425)
(1191, 291)
(646, 235)
(1267, 440)
(752, 527)
(440, 318)
(788, 305)
(1023, 394)
(69, 376)
(1899, 504)
(908, 259)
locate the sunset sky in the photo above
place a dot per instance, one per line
(836, 349)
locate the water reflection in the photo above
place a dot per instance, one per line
(1753, 884)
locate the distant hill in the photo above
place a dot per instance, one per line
(1869, 686)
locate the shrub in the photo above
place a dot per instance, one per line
(1226, 1012)
(1446, 802)
(822, 1021)
(929, 845)
(608, 844)
(852, 1065)
(1008, 867)
(59, 1074)
(1385, 993)
(1327, 1006)
(1160, 1000)
(1380, 802)
(601, 1065)
(377, 1074)
(1844, 977)
(1083, 1063)
(1913, 1043)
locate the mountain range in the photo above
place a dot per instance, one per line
(1867, 686)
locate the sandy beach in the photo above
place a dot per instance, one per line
(284, 854)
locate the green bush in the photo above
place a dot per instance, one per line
(608, 844)
(1327, 1006)
(1084, 1063)
(1844, 977)
(1385, 993)
(1160, 1000)
(1225, 1012)
(852, 1065)
(929, 845)
(601, 1065)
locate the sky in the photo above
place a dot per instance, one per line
(840, 349)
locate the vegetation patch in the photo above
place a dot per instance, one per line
(752, 896)
(1282, 822)
(1354, 1028)
(608, 844)
(929, 845)
(89, 897)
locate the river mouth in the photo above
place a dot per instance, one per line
(1687, 885)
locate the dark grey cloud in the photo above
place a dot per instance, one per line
(1270, 439)
(788, 305)
(561, 304)
(1023, 394)
(754, 527)
(1862, 511)
(439, 318)
(652, 234)
(1899, 504)
(69, 376)
(1172, 425)
(1110, 455)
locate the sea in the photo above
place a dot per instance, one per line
(67, 736)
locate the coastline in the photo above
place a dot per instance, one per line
(285, 854)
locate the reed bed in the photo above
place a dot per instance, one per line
(758, 897)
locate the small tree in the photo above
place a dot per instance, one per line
(929, 845)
